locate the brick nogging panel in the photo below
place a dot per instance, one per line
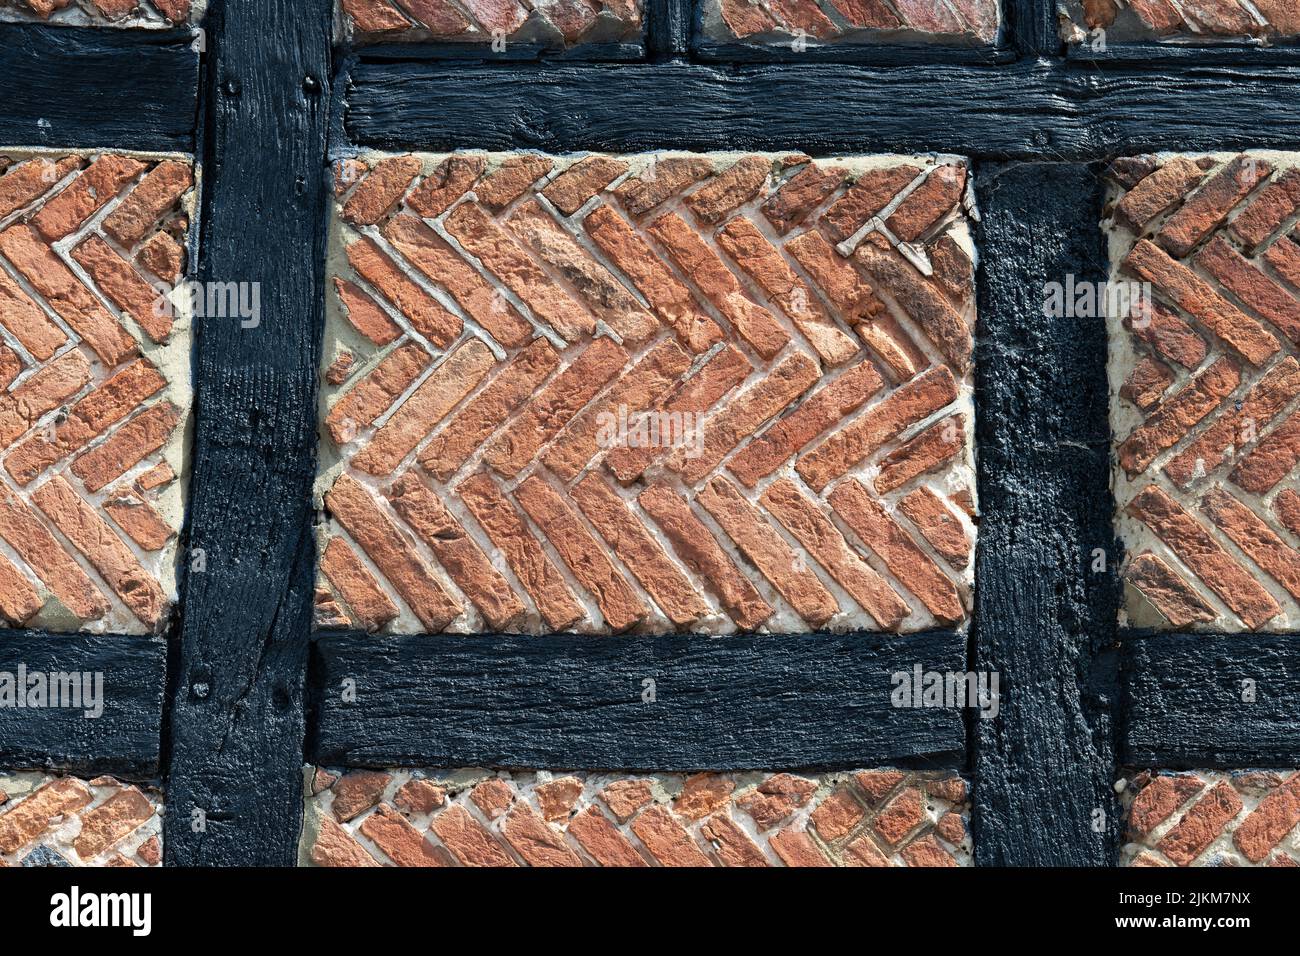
(482, 818)
(1204, 389)
(117, 13)
(803, 24)
(1212, 818)
(558, 24)
(94, 387)
(52, 820)
(795, 336)
(1180, 21)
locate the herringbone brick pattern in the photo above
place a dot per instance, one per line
(94, 388)
(819, 22)
(648, 392)
(66, 821)
(554, 23)
(103, 12)
(1205, 385)
(1205, 818)
(1186, 20)
(471, 818)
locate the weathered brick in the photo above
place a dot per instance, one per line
(865, 21)
(672, 351)
(48, 820)
(1208, 379)
(558, 24)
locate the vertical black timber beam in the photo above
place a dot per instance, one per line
(234, 792)
(668, 27)
(1046, 621)
(1033, 27)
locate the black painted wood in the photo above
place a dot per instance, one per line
(1031, 110)
(576, 702)
(668, 27)
(124, 739)
(129, 89)
(1186, 703)
(237, 701)
(1031, 27)
(1044, 621)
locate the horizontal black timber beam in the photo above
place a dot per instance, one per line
(123, 675)
(866, 54)
(671, 703)
(125, 89)
(1030, 110)
(1211, 701)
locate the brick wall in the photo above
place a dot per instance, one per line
(50, 820)
(125, 13)
(479, 818)
(550, 23)
(1207, 818)
(94, 387)
(496, 318)
(1183, 21)
(1204, 393)
(821, 22)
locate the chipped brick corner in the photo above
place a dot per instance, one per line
(54, 820)
(1211, 818)
(554, 24)
(483, 818)
(94, 387)
(1204, 377)
(491, 315)
(802, 24)
(100, 13)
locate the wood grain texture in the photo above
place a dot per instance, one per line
(237, 704)
(125, 89)
(1034, 110)
(818, 700)
(125, 739)
(1184, 706)
(1045, 622)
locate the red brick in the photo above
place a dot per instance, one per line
(130, 444)
(671, 301)
(602, 841)
(370, 606)
(1209, 207)
(358, 791)
(139, 520)
(111, 822)
(1157, 801)
(905, 560)
(1201, 825)
(1147, 383)
(703, 794)
(1271, 460)
(513, 385)
(761, 261)
(871, 193)
(365, 314)
(1204, 556)
(556, 798)
(699, 551)
(334, 847)
(47, 559)
(419, 796)
(152, 198)
(902, 815)
(796, 848)
(28, 181)
(637, 549)
(538, 576)
(449, 383)
(377, 195)
(883, 422)
(1177, 415)
(730, 843)
(837, 815)
(927, 852)
(1275, 817)
(800, 195)
(1171, 594)
(1157, 193)
(1256, 540)
(761, 544)
(573, 187)
(922, 302)
(930, 450)
(666, 839)
(928, 203)
(1273, 205)
(26, 322)
(617, 601)
(452, 178)
(427, 316)
(536, 842)
(490, 244)
(401, 842)
(372, 395)
(78, 522)
(27, 819)
(510, 180)
(379, 537)
(90, 191)
(665, 178)
(433, 256)
(467, 840)
(938, 525)
(625, 797)
(456, 551)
